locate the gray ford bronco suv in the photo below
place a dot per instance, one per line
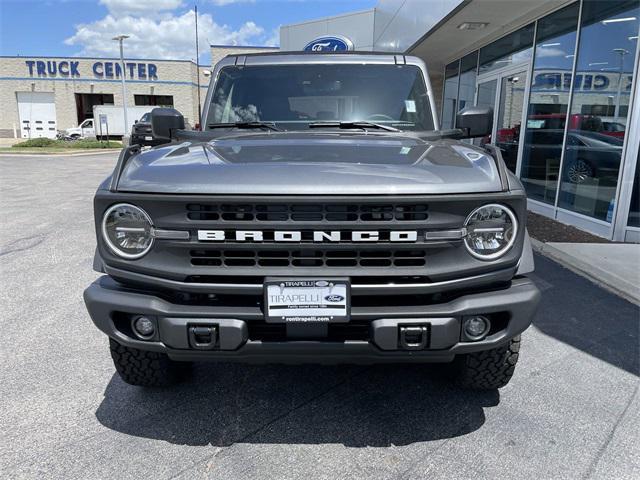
(320, 215)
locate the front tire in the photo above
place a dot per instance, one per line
(144, 368)
(489, 369)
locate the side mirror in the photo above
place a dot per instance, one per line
(164, 121)
(475, 121)
(135, 121)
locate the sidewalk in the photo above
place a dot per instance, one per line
(614, 266)
(8, 142)
(58, 152)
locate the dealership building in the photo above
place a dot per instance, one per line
(561, 76)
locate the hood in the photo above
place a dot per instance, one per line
(314, 163)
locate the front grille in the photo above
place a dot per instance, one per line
(237, 241)
(308, 258)
(307, 212)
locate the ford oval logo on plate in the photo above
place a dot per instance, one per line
(329, 44)
(334, 298)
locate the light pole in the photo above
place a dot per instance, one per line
(120, 39)
(198, 71)
(622, 52)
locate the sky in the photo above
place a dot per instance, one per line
(158, 28)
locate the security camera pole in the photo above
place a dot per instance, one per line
(120, 39)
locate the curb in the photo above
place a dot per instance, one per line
(600, 277)
(100, 151)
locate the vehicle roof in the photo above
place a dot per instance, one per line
(303, 52)
(293, 57)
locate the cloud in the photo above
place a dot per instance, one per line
(274, 39)
(122, 8)
(222, 3)
(167, 36)
(550, 52)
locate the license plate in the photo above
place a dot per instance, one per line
(148, 138)
(307, 301)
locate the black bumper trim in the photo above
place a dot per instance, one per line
(499, 276)
(104, 297)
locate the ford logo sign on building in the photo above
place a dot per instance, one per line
(329, 44)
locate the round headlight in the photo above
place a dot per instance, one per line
(127, 230)
(491, 231)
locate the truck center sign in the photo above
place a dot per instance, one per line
(99, 69)
(584, 81)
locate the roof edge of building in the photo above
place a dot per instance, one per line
(243, 46)
(324, 19)
(29, 57)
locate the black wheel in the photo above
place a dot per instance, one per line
(579, 170)
(144, 368)
(489, 369)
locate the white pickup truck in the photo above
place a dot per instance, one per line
(84, 130)
(114, 125)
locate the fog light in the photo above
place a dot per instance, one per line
(143, 327)
(476, 328)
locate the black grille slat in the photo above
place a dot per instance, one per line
(309, 258)
(309, 213)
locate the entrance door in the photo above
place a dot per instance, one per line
(509, 118)
(486, 97)
(37, 112)
(504, 91)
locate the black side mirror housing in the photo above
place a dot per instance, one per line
(475, 121)
(164, 121)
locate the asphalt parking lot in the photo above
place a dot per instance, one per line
(572, 409)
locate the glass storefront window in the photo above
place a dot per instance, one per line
(468, 74)
(548, 102)
(509, 119)
(510, 50)
(450, 99)
(599, 108)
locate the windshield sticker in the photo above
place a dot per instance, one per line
(410, 105)
(405, 150)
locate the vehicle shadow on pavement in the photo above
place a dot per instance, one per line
(223, 404)
(579, 313)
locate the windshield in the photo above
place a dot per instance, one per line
(293, 96)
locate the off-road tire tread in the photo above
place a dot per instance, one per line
(489, 369)
(144, 368)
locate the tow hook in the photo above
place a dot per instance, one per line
(203, 337)
(413, 337)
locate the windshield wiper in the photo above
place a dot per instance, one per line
(261, 125)
(352, 125)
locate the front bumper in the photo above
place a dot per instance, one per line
(107, 301)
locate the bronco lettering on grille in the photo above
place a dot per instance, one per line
(297, 236)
